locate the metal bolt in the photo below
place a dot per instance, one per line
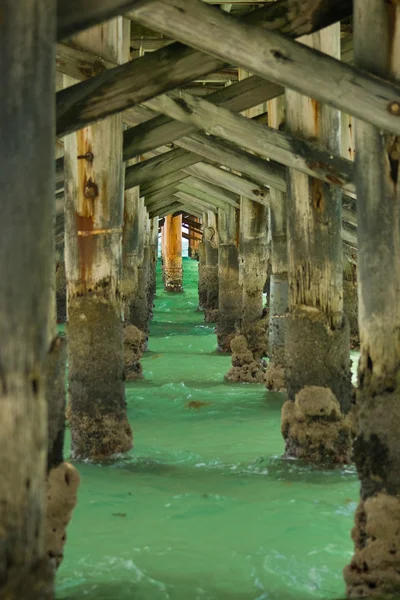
(394, 108)
(87, 156)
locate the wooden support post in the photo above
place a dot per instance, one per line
(94, 186)
(350, 297)
(375, 567)
(163, 244)
(139, 309)
(193, 242)
(250, 345)
(153, 246)
(61, 282)
(211, 267)
(315, 421)
(230, 293)
(132, 246)
(27, 311)
(202, 270)
(278, 296)
(62, 478)
(172, 265)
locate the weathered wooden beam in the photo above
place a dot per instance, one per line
(204, 196)
(160, 205)
(194, 231)
(213, 190)
(196, 202)
(74, 16)
(282, 60)
(124, 86)
(167, 192)
(349, 234)
(229, 181)
(166, 211)
(193, 224)
(175, 64)
(82, 65)
(161, 183)
(163, 130)
(163, 164)
(282, 147)
(187, 236)
(214, 150)
(193, 213)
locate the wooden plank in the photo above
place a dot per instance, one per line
(74, 16)
(163, 130)
(159, 205)
(167, 192)
(174, 65)
(117, 89)
(216, 151)
(192, 211)
(166, 211)
(284, 148)
(196, 202)
(282, 60)
(213, 190)
(195, 225)
(143, 172)
(229, 181)
(205, 197)
(162, 182)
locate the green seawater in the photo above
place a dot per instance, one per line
(203, 507)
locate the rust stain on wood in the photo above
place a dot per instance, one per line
(316, 116)
(326, 171)
(317, 194)
(85, 213)
(91, 69)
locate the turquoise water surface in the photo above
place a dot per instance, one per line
(203, 507)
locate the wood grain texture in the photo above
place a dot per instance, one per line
(281, 59)
(27, 263)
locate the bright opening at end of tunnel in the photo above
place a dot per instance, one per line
(203, 507)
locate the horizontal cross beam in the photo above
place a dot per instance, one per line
(277, 58)
(174, 65)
